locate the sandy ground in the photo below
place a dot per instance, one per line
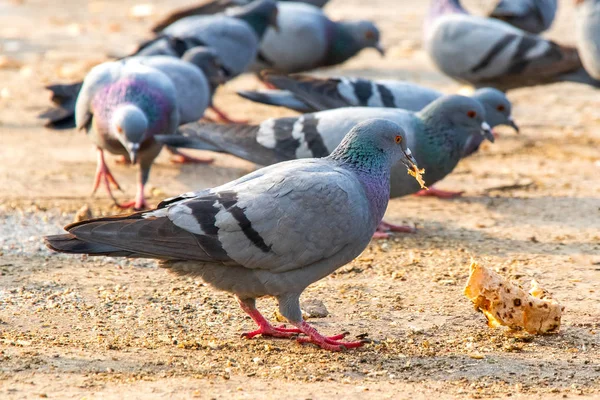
(72, 327)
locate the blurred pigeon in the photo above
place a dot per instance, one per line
(308, 39)
(214, 7)
(305, 93)
(588, 35)
(270, 233)
(489, 52)
(533, 16)
(121, 106)
(438, 136)
(203, 69)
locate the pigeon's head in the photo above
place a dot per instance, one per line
(365, 34)
(259, 14)
(129, 125)
(459, 113)
(497, 107)
(208, 61)
(375, 141)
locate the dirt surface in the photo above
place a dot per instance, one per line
(72, 327)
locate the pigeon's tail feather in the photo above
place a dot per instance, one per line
(58, 118)
(318, 93)
(64, 97)
(581, 76)
(239, 140)
(63, 94)
(280, 98)
(70, 244)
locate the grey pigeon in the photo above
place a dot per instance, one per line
(304, 94)
(203, 72)
(123, 104)
(588, 35)
(489, 52)
(438, 135)
(273, 232)
(308, 39)
(533, 16)
(214, 7)
(235, 35)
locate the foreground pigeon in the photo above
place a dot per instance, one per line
(308, 39)
(438, 136)
(214, 7)
(304, 94)
(489, 52)
(270, 233)
(588, 35)
(533, 16)
(123, 104)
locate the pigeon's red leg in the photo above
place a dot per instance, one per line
(139, 203)
(441, 194)
(182, 158)
(103, 174)
(225, 118)
(332, 343)
(264, 327)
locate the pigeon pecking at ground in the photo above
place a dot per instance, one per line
(488, 52)
(272, 232)
(533, 16)
(588, 35)
(123, 104)
(214, 7)
(438, 136)
(323, 42)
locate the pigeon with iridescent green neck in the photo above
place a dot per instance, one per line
(438, 136)
(272, 232)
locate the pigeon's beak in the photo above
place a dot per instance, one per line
(380, 49)
(133, 152)
(511, 123)
(408, 160)
(486, 131)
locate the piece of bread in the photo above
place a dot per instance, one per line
(506, 303)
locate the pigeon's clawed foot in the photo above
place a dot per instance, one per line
(440, 194)
(331, 343)
(103, 175)
(267, 329)
(384, 229)
(225, 118)
(137, 204)
(182, 158)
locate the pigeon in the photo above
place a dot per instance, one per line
(272, 232)
(533, 16)
(323, 42)
(588, 35)
(438, 135)
(488, 52)
(214, 7)
(235, 35)
(203, 71)
(123, 104)
(306, 94)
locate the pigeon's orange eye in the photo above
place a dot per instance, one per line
(119, 129)
(500, 108)
(471, 114)
(370, 35)
(398, 139)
